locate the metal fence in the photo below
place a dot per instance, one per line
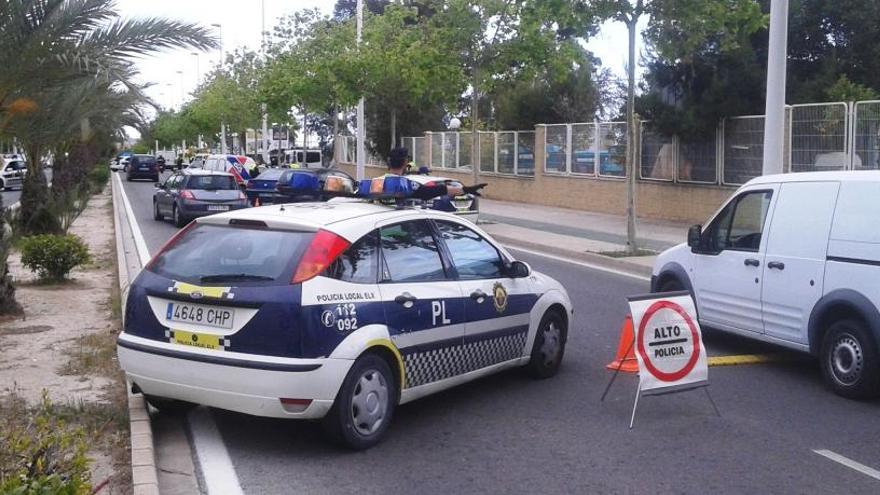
(818, 136)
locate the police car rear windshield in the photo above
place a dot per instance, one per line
(218, 254)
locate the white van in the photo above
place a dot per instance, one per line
(794, 260)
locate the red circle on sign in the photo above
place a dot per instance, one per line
(662, 375)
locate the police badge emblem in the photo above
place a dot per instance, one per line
(499, 297)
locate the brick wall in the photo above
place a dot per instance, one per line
(655, 200)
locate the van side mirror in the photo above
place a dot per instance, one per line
(518, 269)
(695, 234)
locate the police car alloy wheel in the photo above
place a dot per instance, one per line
(850, 361)
(364, 405)
(549, 346)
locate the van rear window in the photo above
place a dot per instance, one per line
(228, 255)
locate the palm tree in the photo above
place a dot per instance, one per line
(55, 52)
(67, 78)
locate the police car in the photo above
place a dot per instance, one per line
(337, 310)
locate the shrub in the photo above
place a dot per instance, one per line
(39, 453)
(53, 256)
(98, 177)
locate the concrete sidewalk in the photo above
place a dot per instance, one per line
(581, 234)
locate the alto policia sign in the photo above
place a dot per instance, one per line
(668, 345)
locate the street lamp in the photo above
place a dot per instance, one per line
(180, 73)
(360, 157)
(198, 68)
(219, 35)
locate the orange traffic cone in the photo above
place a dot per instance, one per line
(625, 360)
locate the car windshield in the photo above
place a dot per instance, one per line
(16, 166)
(211, 182)
(211, 254)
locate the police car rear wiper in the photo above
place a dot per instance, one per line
(220, 277)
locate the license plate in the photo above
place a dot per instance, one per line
(200, 314)
(218, 208)
(144, 168)
(201, 340)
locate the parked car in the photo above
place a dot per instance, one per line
(238, 165)
(793, 260)
(13, 173)
(263, 187)
(334, 313)
(193, 193)
(292, 188)
(142, 167)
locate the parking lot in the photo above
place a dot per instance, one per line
(511, 434)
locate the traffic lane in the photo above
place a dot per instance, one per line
(497, 417)
(510, 434)
(140, 196)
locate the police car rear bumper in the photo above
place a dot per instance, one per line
(232, 381)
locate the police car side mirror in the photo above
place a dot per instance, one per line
(518, 269)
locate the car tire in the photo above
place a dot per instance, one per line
(849, 359)
(157, 215)
(169, 405)
(179, 220)
(672, 285)
(549, 346)
(364, 405)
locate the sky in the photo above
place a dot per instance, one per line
(175, 74)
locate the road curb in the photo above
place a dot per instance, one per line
(144, 476)
(585, 256)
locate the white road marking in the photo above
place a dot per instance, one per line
(216, 465)
(867, 471)
(580, 263)
(217, 469)
(139, 242)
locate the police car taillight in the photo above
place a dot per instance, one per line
(322, 251)
(169, 243)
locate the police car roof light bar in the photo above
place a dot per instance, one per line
(321, 253)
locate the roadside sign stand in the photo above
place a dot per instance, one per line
(614, 376)
(704, 386)
(668, 346)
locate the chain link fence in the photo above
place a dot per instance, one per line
(866, 135)
(821, 136)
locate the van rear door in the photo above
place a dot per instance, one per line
(795, 259)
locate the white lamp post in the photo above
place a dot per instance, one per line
(774, 110)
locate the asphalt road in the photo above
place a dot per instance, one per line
(510, 434)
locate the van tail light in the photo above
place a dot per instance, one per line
(169, 243)
(322, 251)
(187, 194)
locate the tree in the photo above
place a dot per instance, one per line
(56, 54)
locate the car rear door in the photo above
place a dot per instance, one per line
(728, 266)
(497, 307)
(424, 307)
(797, 247)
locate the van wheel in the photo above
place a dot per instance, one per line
(672, 285)
(549, 346)
(169, 405)
(364, 406)
(849, 360)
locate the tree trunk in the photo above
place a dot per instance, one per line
(393, 129)
(631, 131)
(475, 141)
(8, 304)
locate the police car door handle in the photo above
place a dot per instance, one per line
(406, 299)
(478, 296)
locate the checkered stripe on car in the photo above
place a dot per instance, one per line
(437, 364)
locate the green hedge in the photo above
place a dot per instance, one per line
(51, 256)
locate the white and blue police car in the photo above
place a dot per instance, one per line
(339, 310)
